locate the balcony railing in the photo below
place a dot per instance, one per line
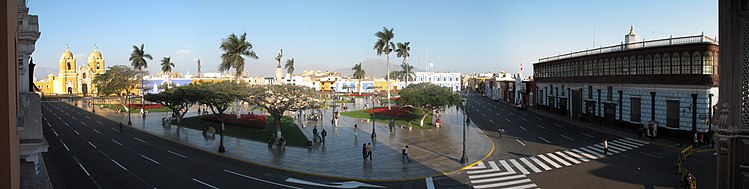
(641, 44)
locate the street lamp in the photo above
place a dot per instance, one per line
(464, 159)
(373, 117)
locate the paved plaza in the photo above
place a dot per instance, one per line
(433, 152)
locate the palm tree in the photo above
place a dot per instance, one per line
(403, 51)
(407, 72)
(289, 66)
(138, 61)
(358, 74)
(166, 65)
(383, 45)
(235, 50)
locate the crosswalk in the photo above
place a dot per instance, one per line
(512, 173)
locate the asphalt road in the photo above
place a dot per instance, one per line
(89, 151)
(529, 134)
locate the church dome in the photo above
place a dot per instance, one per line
(96, 54)
(67, 54)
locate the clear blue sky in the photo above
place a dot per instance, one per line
(463, 36)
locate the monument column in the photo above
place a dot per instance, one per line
(732, 119)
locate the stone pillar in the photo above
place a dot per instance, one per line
(732, 121)
(9, 157)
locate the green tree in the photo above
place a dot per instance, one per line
(138, 61)
(118, 79)
(277, 99)
(429, 97)
(358, 74)
(289, 66)
(178, 99)
(166, 65)
(383, 45)
(218, 96)
(235, 50)
(404, 51)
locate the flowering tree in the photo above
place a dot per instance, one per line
(428, 97)
(218, 96)
(277, 99)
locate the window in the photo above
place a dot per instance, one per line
(675, 64)
(640, 65)
(84, 75)
(707, 63)
(666, 64)
(618, 66)
(633, 68)
(648, 65)
(657, 64)
(590, 92)
(625, 66)
(68, 65)
(685, 63)
(696, 63)
(609, 93)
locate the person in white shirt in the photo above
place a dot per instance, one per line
(605, 146)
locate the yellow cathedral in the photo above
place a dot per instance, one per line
(72, 80)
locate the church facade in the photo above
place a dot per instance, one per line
(72, 80)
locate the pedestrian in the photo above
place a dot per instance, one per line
(323, 133)
(314, 131)
(687, 179)
(605, 146)
(120, 126)
(391, 125)
(501, 131)
(695, 138)
(702, 139)
(369, 150)
(356, 130)
(405, 154)
(364, 151)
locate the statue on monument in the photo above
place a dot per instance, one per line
(278, 58)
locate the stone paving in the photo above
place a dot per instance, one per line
(433, 151)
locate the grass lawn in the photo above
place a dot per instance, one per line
(414, 117)
(289, 129)
(133, 110)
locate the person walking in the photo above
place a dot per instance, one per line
(323, 133)
(369, 150)
(501, 131)
(405, 154)
(364, 151)
(314, 131)
(356, 130)
(605, 146)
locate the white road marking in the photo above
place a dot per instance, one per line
(53, 131)
(584, 154)
(551, 155)
(99, 123)
(76, 132)
(540, 126)
(493, 166)
(136, 138)
(549, 161)
(84, 124)
(592, 151)
(542, 138)
(523, 128)
(573, 154)
(520, 142)
(523, 119)
(115, 129)
(558, 125)
(483, 114)
(497, 114)
(73, 118)
(66, 123)
(530, 165)
(257, 179)
(491, 121)
(118, 164)
(495, 179)
(519, 167)
(544, 166)
(565, 156)
(88, 117)
(587, 135)
(206, 184)
(97, 131)
(149, 159)
(567, 137)
(176, 154)
(508, 120)
(84, 169)
(118, 143)
(63, 144)
(507, 166)
(430, 183)
(92, 144)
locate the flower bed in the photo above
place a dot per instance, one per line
(146, 106)
(245, 120)
(354, 94)
(394, 111)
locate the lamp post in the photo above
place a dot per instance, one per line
(373, 116)
(464, 159)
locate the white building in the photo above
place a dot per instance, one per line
(453, 80)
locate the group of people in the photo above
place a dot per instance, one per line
(319, 137)
(367, 151)
(703, 139)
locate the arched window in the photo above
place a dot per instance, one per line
(640, 65)
(68, 66)
(618, 66)
(666, 64)
(84, 75)
(657, 64)
(675, 64)
(648, 65)
(98, 65)
(707, 63)
(633, 68)
(696, 63)
(685, 63)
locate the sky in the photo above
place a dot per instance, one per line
(459, 36)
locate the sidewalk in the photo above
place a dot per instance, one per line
(433, 152)
(674, 143)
